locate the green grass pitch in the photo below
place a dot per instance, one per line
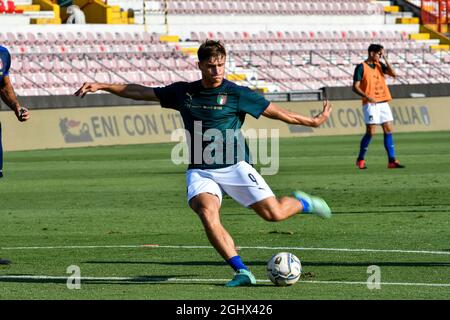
(96, 207)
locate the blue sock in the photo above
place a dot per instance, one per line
(365, 141)
(236, 263)
(389, 146)
(305, 204)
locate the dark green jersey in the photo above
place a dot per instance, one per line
(359, 71)
(213, 118)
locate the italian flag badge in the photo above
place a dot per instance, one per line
(222, 99)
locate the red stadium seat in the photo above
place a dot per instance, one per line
(10, 7)
(2, 7)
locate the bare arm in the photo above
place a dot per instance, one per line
(275, 112)
(131, 91)
(9, 97)
(390, 71)
(357, 89)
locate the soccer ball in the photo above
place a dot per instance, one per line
(284, 269)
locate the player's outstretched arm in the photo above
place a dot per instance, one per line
(275, 112)
(9, 97)
(131, 91)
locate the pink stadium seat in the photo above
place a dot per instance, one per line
(26, 67)
(170, 63)
(103, 77)
(128, 38)
(355, 58)
(67, 38)
(79, 64)
(85, 77)
(52, 39)
(191, 75)
(90, 38)
(138, 63)
(148, 38)
(152, 64)
(181, 64)
(214, 8)
(123, 65)
(93, 66)
(132, 77)
(12, 40)
(292, 46)
(172, 7)
(118, 38)
(116, 78)
(24, 80)
(194, 36)
(53, 81)
(197, 7)
(276, 60)
(279, 53)
(136, 36)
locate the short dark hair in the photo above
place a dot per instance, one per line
(211, 48)
(375, 48)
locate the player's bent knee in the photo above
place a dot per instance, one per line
(269, 209)
(270, 214)
(206, 213)
(209, 216)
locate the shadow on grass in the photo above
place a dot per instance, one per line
(263, 263)
(177, 263)
(138, 280)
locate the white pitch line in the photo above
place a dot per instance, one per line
(353, 250)
(74, 247)
(241, 247)
(150, 280)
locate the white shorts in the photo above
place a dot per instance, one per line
(377, 113)
(240, 181)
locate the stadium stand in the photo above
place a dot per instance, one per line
(284, 45)
(9, 7)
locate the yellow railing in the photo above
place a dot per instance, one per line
(47, 5)
(96, 11)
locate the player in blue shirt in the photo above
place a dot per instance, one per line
(8, 96)
(211, 108)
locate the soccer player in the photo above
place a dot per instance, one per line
(214, 103)
(370, 84)
(8, 96)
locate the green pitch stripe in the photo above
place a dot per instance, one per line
(242, 247)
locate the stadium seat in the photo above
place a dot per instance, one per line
(10, 7)
(277, 50)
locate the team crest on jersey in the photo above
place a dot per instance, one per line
(222, 99)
